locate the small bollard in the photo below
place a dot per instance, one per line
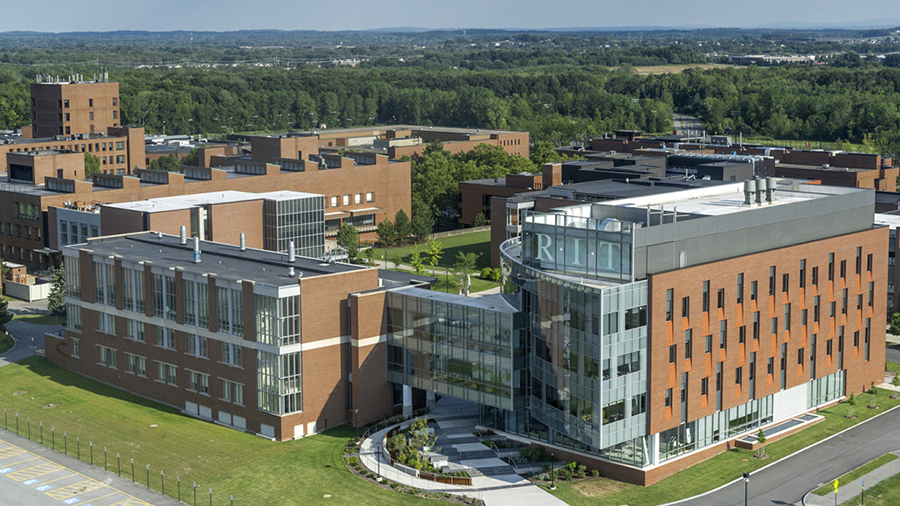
(148, 475)
(5, 421)
(118, 464)
(132, 470)
(210, 497)
(91, 444)
(178, 480)
(104, 458)
(66, 442)
(17, 422)
(195, 493)
(28, 422)
(53, 436)
(232, 500)
(42, 431)
(162, 481)
(78, 446)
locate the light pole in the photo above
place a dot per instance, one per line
(746, 483)
(552, 469)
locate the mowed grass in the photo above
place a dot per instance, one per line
(41, 319)
(676, 69)
(885, 493)
(254, 470)
(892, 366)
(472, 242)
(724, 467)
(6, 342)
(856, 473)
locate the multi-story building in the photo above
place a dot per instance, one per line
(71, 107)
(261, 341)
(658, 329)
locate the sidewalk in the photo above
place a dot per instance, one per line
(847, 491)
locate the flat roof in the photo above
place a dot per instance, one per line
(181, 202)
(494, 302)
(890, 220)
(821, 168)
(224, 260)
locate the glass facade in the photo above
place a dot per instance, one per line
(301, 220)
(464, 349)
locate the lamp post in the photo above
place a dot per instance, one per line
(552, 471)
(746, 483)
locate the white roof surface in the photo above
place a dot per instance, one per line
(181, 202)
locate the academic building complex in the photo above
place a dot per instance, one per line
(641, 334)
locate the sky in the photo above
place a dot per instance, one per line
(226, 15)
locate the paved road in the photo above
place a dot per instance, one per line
(23, 333)
(788, 480)
(685, 123)
(893, 352)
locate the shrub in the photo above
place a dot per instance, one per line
(595, 473)
(572, 465)
(495, 274)
(486, 273)
(567, 473)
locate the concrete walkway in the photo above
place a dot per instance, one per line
(453, 418)
(847, 491)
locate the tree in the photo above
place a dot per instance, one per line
(416, 260)
(421, 436)
(56, 303)
(851, 402)
(370, 254)
(465, 266)
(433, 252)
(348, 237)
(896, 380)
(168, 163)
(479, 220)
(396, 259)
(91, 166)
(422, 225)
(192, 158)
(403, 226)
(386, 233)
(895, 324)
(761, 439)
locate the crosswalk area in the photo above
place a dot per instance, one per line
(54, 483)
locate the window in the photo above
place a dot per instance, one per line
(774, 326)
(73, 317)
(673, 353)
(742, 334)
(770, 366)
(357, 199)
(230, 310)
(753, 285)
(91, 116)
(709, 343)
(197, 346)
(800, 356)
(740, 288)
(831, 267)
(668, 397)
(869, 262)
(858, 260)
(704, 386)
(723, 334)
(66, 104)
(107, 357)
(669, 303)
(199, 382)
(232, 354)
(334, 201)
(756, 325)
(134, 330)
(635, 317)
(844, 301)
(628, 363)
(829, 347)
(232, 392)
(815, 276)
(136, 365)
(816, 300)
(120, 145)
(106, 323)
(91, 104)
(843, 269)
(859, 302)
(856, 339)
(771, 280)
(74, 347)
(370, 198)
(639, 404)
(832, 308)
(165, 338)
(166, 373)
(346, 200)
(706, 296)
(785, 282)
(738, 375)
(688, 338)
(803, 273)
(871, 293)
(115, 100)
(720, 299)
(685, 306)
(787, 316)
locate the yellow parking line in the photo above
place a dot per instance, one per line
(107, 495)
(81, 487)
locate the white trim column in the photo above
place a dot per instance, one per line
(407, 400)
(429, 399)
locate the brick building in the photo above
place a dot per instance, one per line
(266, 342)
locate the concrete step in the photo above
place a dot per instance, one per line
(497, 471)
(477, 454)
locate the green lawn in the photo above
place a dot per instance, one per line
(722, 468)
(41, 319)
(892, 366)
(255, 470)
(6, 342)
(856, 473)
(885, 493)
(472, 242)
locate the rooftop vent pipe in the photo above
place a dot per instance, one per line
(243, 242)
(749, 189)
(770, 189)
(183, 234)
(196, 250)
(760, 188)
(292, 256)
(291, 272)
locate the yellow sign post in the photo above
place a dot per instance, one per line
(835, 491)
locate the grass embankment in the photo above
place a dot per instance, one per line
(254, 470)
(720, 469)
(856, 473)
(472, 242)
(885, 493)
(41, 319)
(6, 342)
(892, 366)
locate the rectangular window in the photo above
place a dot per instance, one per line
(774, 326)
(199, 382)
(704, 386)
(723, 334)
(232, 392)
(829, 347)
(803, 273)
(740, 288)
(738, 375)
(858, 260)
(232, 354)
(357, 199)
(844, 301)
(753, 286)
(843, 269)
(816, 300)
(669, 304)
(189, 288)
(771, 281)
(856, 339)
(673, 353)
(787, 316)
(756, 325)
(785, 282)
(871, 293)
(688, 338)
(74, 347)
(165, 338)
(106, 323)
(136, 365)
(709, 343)
(859, 302)
(346, 200)
(668, 397)
(134, 330)
(832, 309)
(831, 267)
(107, 357)
(869, 262)
(720, 299)
(334, 201)
(800, 356)
(770, 366)
(815, 276)
(706, 296)
(166, 373)
(742, 334)
(369, 197)
(685, 306)
(156, 286)
(197, 346)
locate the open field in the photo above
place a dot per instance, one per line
(676, 69)
(256, 471)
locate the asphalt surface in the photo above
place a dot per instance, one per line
(893, 353)
(786, 481)
(685, 124)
